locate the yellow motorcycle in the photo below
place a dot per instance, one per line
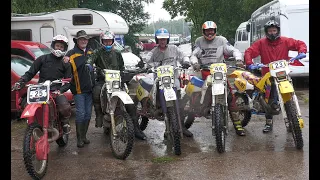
(257, 90)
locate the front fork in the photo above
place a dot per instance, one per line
(111, 112)
(42, 145)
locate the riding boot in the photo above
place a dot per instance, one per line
(268, 127)
(84, 137)
(66, 126)
(79, 128)
(137, 131)
(237, 124)
(99, 114)
(185, 131)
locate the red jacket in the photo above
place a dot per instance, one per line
(273, 51)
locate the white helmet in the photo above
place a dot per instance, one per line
(62, 39)
(107, 35)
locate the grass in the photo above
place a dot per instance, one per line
(163, 159)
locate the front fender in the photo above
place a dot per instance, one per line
(125, 98)
(30, 110)
(285, 87)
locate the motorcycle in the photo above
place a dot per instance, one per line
(156, 99)
(113, 101)
(209, 98)
(44, 126)
(258, 92)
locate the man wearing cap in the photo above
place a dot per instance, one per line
(81, 85)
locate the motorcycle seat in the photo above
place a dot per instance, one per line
(146, 83)
(252, 79)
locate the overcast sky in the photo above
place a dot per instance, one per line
(157, 12)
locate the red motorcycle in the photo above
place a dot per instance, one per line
(44, 126)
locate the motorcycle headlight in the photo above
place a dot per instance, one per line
(281, 74)
(218, 76)
(116, 84)
(166, 80)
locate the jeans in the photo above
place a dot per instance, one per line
(83, 104)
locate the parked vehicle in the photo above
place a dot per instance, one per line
(256, 95)
(19, 65)
(148, 44)
(241, 38)
(175, 40)
(41, 27)
(156, 99)
(44, 127)
(28, 49)
(287, 13)
(113, 101)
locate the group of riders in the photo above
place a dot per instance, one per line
(85, 67)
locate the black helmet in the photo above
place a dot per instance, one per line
(272, 23)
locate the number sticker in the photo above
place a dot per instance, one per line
(112, 75)
(165, 71)
(278, 65)
(37, 94)
(218, 67)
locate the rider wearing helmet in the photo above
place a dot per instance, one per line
(107, 57)
(211, 48)
(167, 54)
(273, 47)
(52, 67)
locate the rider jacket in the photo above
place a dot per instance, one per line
(106, 60)
(50, 67)
(83, 78)
(273, 50)
(213, 51)
(171, 56)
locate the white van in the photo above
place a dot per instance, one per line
(241, 40)
(293, 17)
(174, 40)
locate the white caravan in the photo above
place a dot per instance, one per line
(241, 38)
(293, 17)
(41, 27)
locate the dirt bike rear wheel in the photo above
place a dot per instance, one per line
(219, 130)
(189, 120)
(294, 123)
(175, 133)
(143, 122)
(245, 114)
(125, 132)
(35, 168)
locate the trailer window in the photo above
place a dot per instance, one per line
(244, 35)
(82, 19)
(21, 34)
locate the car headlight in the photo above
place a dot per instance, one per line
(166, 80)
(218, 76)
(116, 84)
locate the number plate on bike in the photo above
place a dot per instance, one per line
(38, 94)
(282, 64)
(112, 75)
(169, 94)
(218, 67)
(164, 71)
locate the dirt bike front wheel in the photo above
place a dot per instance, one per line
(174, 129)
(219, 125)
(294, 123)
(121, 145)
(35, 168)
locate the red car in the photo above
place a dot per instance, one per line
(28, 49)
(148, 44)
(19, 65)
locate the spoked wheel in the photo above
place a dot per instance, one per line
(218, 118)
(175, 133)
(122, 143)
(294, 123)
(143, 122)
(244, 115)
(189, 120)
(35, 168)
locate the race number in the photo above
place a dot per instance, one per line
(218, 67)
(164, 71)
(278, 65)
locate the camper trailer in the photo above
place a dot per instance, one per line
(242, 40)
(293, 17)
(41, 27)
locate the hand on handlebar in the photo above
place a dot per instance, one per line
(18, 85)
(196, 67)
(298, 57)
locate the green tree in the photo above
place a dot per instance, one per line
(37, 6)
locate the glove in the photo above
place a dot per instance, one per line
(64, 88)
(18, 85)
(196, 66)
(140, 64)
(239, 64)
(185, 66)
(252, 67)
(299, 56)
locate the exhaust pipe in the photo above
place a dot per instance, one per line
(54, 136)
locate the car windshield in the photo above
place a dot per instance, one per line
(20, 65)
(40, 51)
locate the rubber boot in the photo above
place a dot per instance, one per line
(137, 131)
(84, 137)
(185, 131)
(99, 115)
(79, 128)
(268, 127)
